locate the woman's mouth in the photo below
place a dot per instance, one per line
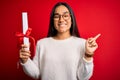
(62, 25)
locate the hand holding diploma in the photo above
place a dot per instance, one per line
(25, 36)
(24, 51)
(91, 46)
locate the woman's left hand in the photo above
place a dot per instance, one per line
(91, 46)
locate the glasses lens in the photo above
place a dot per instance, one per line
(64, 16)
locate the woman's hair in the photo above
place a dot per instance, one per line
(73, 30)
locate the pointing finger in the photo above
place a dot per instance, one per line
(97, 36)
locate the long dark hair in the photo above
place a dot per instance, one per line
(73, 30)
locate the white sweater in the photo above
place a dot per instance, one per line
(59, 60)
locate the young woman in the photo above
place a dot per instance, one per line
(63, 55)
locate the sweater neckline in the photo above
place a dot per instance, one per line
(62, 40)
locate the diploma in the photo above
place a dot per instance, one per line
(25, 28)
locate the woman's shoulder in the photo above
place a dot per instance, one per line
(79, 39)
(43, 40)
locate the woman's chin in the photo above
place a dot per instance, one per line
(62, 31)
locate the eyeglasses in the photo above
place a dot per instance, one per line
(65, 16)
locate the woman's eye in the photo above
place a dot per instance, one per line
(56, 16)
(65, 15)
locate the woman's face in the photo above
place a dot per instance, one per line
(62, 19)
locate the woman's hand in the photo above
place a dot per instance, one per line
(24, 53)
(91, 46)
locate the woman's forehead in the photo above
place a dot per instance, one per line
(61, 9)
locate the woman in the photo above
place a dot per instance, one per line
(62, 55)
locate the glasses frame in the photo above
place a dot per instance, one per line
(63, 16)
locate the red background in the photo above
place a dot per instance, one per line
(93, 17)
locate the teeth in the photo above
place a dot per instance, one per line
(61, 24)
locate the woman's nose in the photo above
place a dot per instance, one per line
(61, 18)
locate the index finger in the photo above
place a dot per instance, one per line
(97, 36)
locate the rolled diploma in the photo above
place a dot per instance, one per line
(25, 28)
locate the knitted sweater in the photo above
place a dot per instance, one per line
(59, 60)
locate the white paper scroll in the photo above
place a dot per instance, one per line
(25, 28)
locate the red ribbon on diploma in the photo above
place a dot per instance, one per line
(27, 34)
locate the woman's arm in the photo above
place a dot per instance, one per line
(31, 67)
(85, 69)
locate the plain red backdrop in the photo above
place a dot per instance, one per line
(93, 17)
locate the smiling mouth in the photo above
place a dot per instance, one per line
(62, 25)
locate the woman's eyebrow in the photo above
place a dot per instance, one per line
(66, 12)
(56, 13)
(63, 13)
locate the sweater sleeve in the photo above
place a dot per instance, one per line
(31, 67)
(85, 68)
